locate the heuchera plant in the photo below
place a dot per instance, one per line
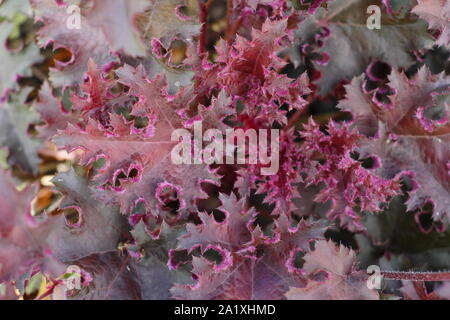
(91, 92)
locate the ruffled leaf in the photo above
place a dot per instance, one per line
(15, 120)
(138, 162)
(333, 276)
(437, 14)
(346, 183)
(15, 63)
(341, 45)
(154, 270)
(22, 238)
(113, 278)
(118, 21)
(87, 42)
(52, 112)
(94, 229)
(406, 139)
(165, 20)
(251, 265)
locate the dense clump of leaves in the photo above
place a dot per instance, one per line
(86, 121)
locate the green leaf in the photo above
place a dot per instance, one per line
(15, 118)
(14, 64)
(352, 46)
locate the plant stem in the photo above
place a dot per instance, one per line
(416, 276)
(232, 28)
(298, 114)
(422, 292)
(203, 8)
(294, 119)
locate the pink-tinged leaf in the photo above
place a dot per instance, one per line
(403, 141)
(15, 119)
(248, 14)
(13, 216)
(98, 144)
(443, 291)
(113, 278)
(52, 112)
(255, 61)
(153, 268)
(22, 239)
(296, 237)
(118, 21)
(255, 279)
(207, 285)
(97, 100)
(346, 183)
(178, 76)
(248, 70)
(333, 275)
(247, 280)
(153, 97)
(87, 42)
(251, 265)
(341, 46)
(15, 63)
(437, 14)
(162, 20)
(97, 229)
(279, 188)
(205, 73)
(233, 231)
(137, 161)
(213, 116)
(153, 165)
